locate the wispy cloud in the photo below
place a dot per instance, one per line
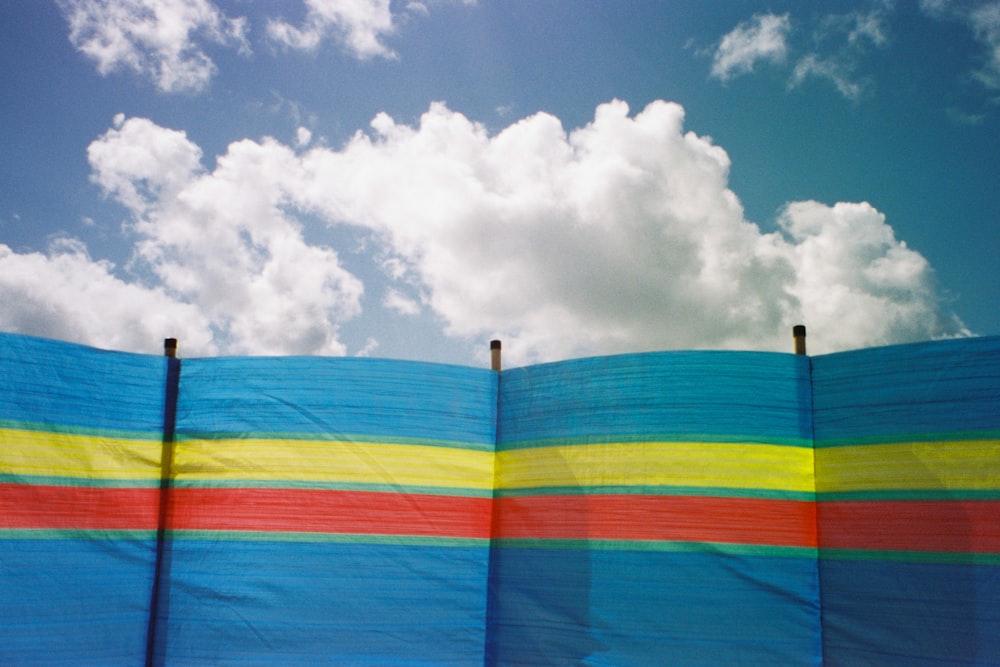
(622, 235)
(358, 24)
(985, 21)
(834, 71)
(161, 39)
(839, 41)
(983, 18)
(762, 38)
(166, 40)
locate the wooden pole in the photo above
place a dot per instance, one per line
(155, 630)
(799, 334)
(495, 355)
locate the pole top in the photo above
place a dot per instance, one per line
(495, 355)
(799, 334)
(170, 347)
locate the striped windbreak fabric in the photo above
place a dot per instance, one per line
(658, 508)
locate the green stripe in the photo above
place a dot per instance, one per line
(896, 438)
(332, 538)
(332, 486)
(720, 548)
(910, 494)
(40, 427)
(332, 437)
(708, 438)
(76, 534)
(639, 490)
(911, 556)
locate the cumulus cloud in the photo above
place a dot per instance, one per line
(65, 294)
(161, 39)
(856, 282)
(622, 235)
(224, 241)
(762, 38)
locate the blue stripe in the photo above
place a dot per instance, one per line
(74, 601)
(253, 603)
(908, 390)
(335, 398)
(894, 613)
(706, 395)
(556, 607)
(49, 382)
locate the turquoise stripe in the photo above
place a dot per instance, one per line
(896, 438)
(911, 556)
(910, 494)
(698, 491)
(727, 549)
(332, 437)
(98, 482)
(331, 538)
(331, 486)
(76, 534)
(67, 429)
(707, 438)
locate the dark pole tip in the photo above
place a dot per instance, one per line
(170, 347)
(799, 330)
(494, 345)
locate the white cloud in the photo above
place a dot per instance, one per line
(224, 240)
(154, 38)
(869, 27)
(397, 301)
(302, 137)
(359, 24)
(140, 162)
(65, 294)
(622, 235)
(856, 282)
(985, 22)
(761, 38)
(983, 18)
(843, 40)
(838, 43)
(837, 72)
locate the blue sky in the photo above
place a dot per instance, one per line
(412, 179)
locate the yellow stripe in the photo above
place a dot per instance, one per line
(956, 465)
(686, 464)
(81, 456)
(326, 461)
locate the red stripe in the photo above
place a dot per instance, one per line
(31, 506)
(663, 518)
(970, 526)
(326, 511)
